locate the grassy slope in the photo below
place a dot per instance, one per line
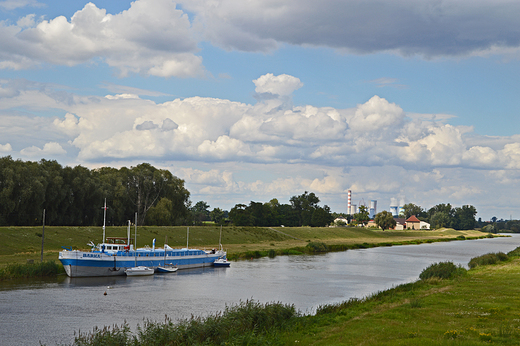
(480, 307)
(21, 243)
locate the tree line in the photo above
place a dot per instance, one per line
(74, 196)
(443, 215)
(303, 210)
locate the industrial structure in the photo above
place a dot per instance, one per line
(353, 208)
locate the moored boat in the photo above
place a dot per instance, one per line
(115, 255)
(139, 271)
(221, 262)
(164, 269)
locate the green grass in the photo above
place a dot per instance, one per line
(30, 270)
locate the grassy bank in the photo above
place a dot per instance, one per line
(20, 244)
(30, 270)
(474, 307)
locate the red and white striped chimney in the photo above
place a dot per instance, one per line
(349, 200)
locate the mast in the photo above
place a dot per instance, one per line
(187, 238)
(135, 240)
(128, 233)
(220, 239)
(104, 218)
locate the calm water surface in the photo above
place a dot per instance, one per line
(51, 311)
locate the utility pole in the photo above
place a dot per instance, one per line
(43, 235)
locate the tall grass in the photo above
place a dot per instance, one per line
(487, 259)
(248, 323)
(29, 270)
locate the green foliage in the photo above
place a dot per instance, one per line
(442, 270)
(217, 215)
(248, 323)
(385, 220)
(362, 216)
(29, 270)
(317, 247)
(74, 196)
(303, 211)
(410, 209)
(487, 259)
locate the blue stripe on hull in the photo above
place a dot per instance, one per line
(79, 267)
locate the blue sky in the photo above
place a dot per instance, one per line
(399, 101)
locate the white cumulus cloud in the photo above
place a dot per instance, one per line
(152, 37)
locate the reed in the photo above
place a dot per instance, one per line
(247, 323)
(30, 270)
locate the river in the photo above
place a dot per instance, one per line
(51, 311)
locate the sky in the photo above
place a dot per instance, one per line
(400, 101)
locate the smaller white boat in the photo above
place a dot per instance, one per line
(221, 262)
(139, 271)
(168, 268)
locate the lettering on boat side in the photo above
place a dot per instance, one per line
(91, 255)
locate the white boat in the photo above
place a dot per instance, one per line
(221, 262)
(164, 269)
(115, 255)
(139, 271)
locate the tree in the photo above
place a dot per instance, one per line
(321, 217)
(217, 215)
(362, 216)
(304, 205)
(200, 212)
(385, 220)
(412, 209)
(446, 208)
(440, 219)
(465, 217)
(240, 216)
(160, 214)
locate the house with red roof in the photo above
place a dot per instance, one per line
(413, 223)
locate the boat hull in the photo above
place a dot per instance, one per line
(139, 271)
(83, 264)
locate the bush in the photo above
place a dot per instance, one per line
(490, 258)
(442, 270)
(317, 247)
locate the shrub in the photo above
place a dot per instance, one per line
(490, 258)
(442, 270)
(461, 237)
(317, 247)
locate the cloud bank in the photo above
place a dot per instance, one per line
(159, 38)
(375, 148)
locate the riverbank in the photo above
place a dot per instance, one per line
(479, 306)
(18, 252)
(22, 244)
